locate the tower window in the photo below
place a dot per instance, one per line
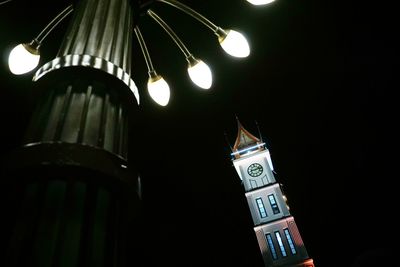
(274, 205)
(271, 246)
(290, 241)
(261, 208)
(281, 246)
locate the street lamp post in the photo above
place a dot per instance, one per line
(79, 194)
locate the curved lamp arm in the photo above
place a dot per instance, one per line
(157, 87)
(52, 24)
(145, 52)
(199, 72)
(233, 42)
(170, 32)
(192, 13)
(4, 2)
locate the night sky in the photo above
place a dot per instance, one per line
(319, 83)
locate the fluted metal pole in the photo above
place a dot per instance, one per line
(75, 194)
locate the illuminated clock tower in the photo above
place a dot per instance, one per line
(277, 234)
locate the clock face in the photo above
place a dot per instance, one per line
(255, 170)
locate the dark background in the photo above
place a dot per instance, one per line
(319, 83)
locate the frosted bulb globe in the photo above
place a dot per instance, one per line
(260, 2)
(21, 60)
(235, 44)
(200, 74)
(159, 90)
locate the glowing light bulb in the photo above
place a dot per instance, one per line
(200, 74)
(23, 58)
(158, 90)
(260, 2)
(235, 44)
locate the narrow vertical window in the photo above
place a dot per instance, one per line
(281, 246)
(261, 208)
(274, 205)
(271, 246)
(290, 241)
(253, 183)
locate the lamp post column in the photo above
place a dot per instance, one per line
(75, 195)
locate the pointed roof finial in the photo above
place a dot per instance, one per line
(244, 138)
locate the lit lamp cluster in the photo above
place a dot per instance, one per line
(25, 57)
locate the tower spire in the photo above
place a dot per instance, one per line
(227, 141)
(259, 132)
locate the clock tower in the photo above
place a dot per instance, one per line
(277, 234)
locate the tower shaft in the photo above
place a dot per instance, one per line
(277, 234)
